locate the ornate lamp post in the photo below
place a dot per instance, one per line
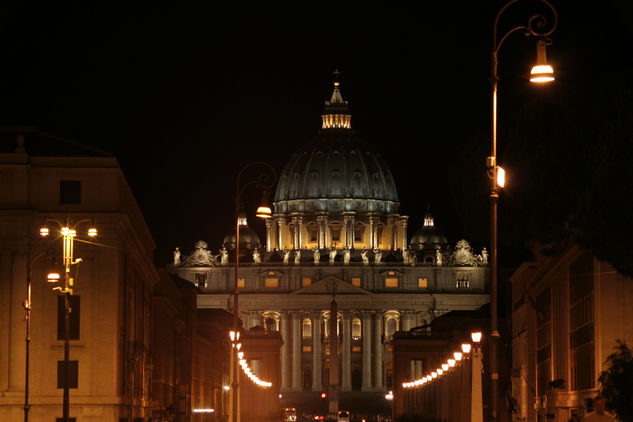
(68, 234)
(265, 181)
(542, 72)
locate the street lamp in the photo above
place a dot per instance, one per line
(68, 233)
(51, 275)
(265, 181)
(537, 26)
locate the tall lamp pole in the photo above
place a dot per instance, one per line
(68, 235)
(542, 72)
(264, 181)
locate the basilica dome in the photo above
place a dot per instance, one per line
(336, 171)
(248, 237)
(427, 236)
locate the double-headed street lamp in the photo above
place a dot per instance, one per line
(264, 181)
(542, 72)
(68, 233)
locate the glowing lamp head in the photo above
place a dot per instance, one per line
(92, 232)
(541, 72)
(265, 210)
(434, 374)
(451, 362)
(72, 232)
(501, 177)
(466, 348)
(232, 335)
(323, 395)
(44, 231)
(476, 336)
(53, 277)
(240, 355)
(440, 371)
(458, 356)
(65, 230)
(445, 367)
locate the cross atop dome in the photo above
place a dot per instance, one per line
(336, 115)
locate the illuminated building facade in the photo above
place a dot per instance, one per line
(568, 311)
(337, 230)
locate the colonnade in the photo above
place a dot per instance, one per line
(373, 347)
(289, 231)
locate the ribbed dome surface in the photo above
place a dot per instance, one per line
(427, 236)
(248, 239)
(337, 165)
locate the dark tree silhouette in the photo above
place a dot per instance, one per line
(616, 384)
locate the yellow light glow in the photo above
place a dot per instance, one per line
(240, 355)
(65, 230)
(72, 233)
(440, 371)
(542, 73)
(501, 177)
(451, 362)
(466, 347)
(476, 336)
(92, 232)
(264, 212)
(434, 374)
(458, 356)
(445, 366)
(232, 335)
(44, 231)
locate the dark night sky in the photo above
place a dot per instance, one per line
(184, 96)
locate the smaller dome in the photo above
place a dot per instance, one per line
(248, 237)
(427, 236)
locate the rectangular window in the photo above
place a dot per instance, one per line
(423, 282)
(359, 233)
(201, 280)
(306, 281)
(312, 233)
(70, 192)
(581, 322)
(356, 349)
(271, 283)
(74, 317)
(73, 373)
(356, 281)
(241, 282)
(306, 349)
(335, 233)
(391, 282)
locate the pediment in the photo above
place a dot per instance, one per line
(324, 287)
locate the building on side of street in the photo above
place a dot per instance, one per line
(568, 310)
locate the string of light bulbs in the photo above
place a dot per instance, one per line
(250, 374)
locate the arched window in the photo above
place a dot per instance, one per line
(392, 327)
(307, 329)
(356, 329)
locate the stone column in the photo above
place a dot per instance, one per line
(346, 367)
(394, 233)
(322, 231)
(407, 318)
(253, 319)
(366, 386)
(316, 352)
(402, 231)
(378, 371)
(285, 348)
(281, 226)
(270, 234)
(296, 351)
(297, 226)
(373, 231)
(348, 223)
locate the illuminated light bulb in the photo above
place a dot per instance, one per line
(434, 374)
(466, 347)
(44, 231)
(501, 182)
(92, 232)
(439, 371)
(445, 366)
(65, 230)
(72, 233)
(240, 355)
(458, 356)
(476, 336)
(451, 362)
